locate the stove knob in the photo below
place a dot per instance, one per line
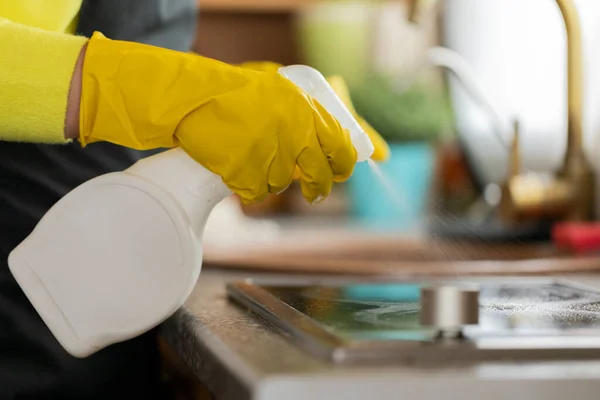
(449, 308)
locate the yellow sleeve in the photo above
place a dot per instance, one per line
(36, 67)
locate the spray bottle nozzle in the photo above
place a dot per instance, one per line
(314, 83)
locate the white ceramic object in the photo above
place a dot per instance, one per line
(399, 46)
(121, 253)
(517, 49)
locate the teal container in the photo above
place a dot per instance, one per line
(390, 292)
(402, 203)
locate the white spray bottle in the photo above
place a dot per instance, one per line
(122, 252)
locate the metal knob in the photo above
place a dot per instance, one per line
(449, 308)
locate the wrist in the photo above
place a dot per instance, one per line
(73, 108)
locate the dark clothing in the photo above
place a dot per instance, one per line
(32, 179)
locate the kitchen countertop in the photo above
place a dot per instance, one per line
(239, 357)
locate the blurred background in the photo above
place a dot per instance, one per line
(445, 90)
(491, 109)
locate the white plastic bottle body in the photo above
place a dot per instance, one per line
(112, 259)
(194, 187)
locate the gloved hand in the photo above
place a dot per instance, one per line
(382, 150)
(250, 127)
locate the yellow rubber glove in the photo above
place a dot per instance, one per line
(382, 150)
(266, 66)
(250, 127)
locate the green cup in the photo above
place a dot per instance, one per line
(335, 37)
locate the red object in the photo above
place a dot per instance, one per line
(577, 237)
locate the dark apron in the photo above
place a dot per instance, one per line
(34, 177)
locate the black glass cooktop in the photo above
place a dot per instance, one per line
(376, 321)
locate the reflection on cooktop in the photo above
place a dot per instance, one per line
(391, 311)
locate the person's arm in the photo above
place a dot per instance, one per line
(36, 69)
(72, 117)
(38, 102)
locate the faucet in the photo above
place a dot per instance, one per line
(570, 193)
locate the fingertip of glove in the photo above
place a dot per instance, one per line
(254, 199)
(297, 174)
(319, 199)
(313, 199)
(382, 153)
(314, 195)
(341, 179)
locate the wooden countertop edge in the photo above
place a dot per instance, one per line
(278, 263)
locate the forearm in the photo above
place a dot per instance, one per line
(72, 117)
(36, 69)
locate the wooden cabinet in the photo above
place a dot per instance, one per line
(264, 6)
(248, 30)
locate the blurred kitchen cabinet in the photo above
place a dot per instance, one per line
(248, 30)
(251, 5)
(245, 30)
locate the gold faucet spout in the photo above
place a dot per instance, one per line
(576, 170)
(416, 8)
(574, 77)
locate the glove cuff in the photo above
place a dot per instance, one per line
(136, 95)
